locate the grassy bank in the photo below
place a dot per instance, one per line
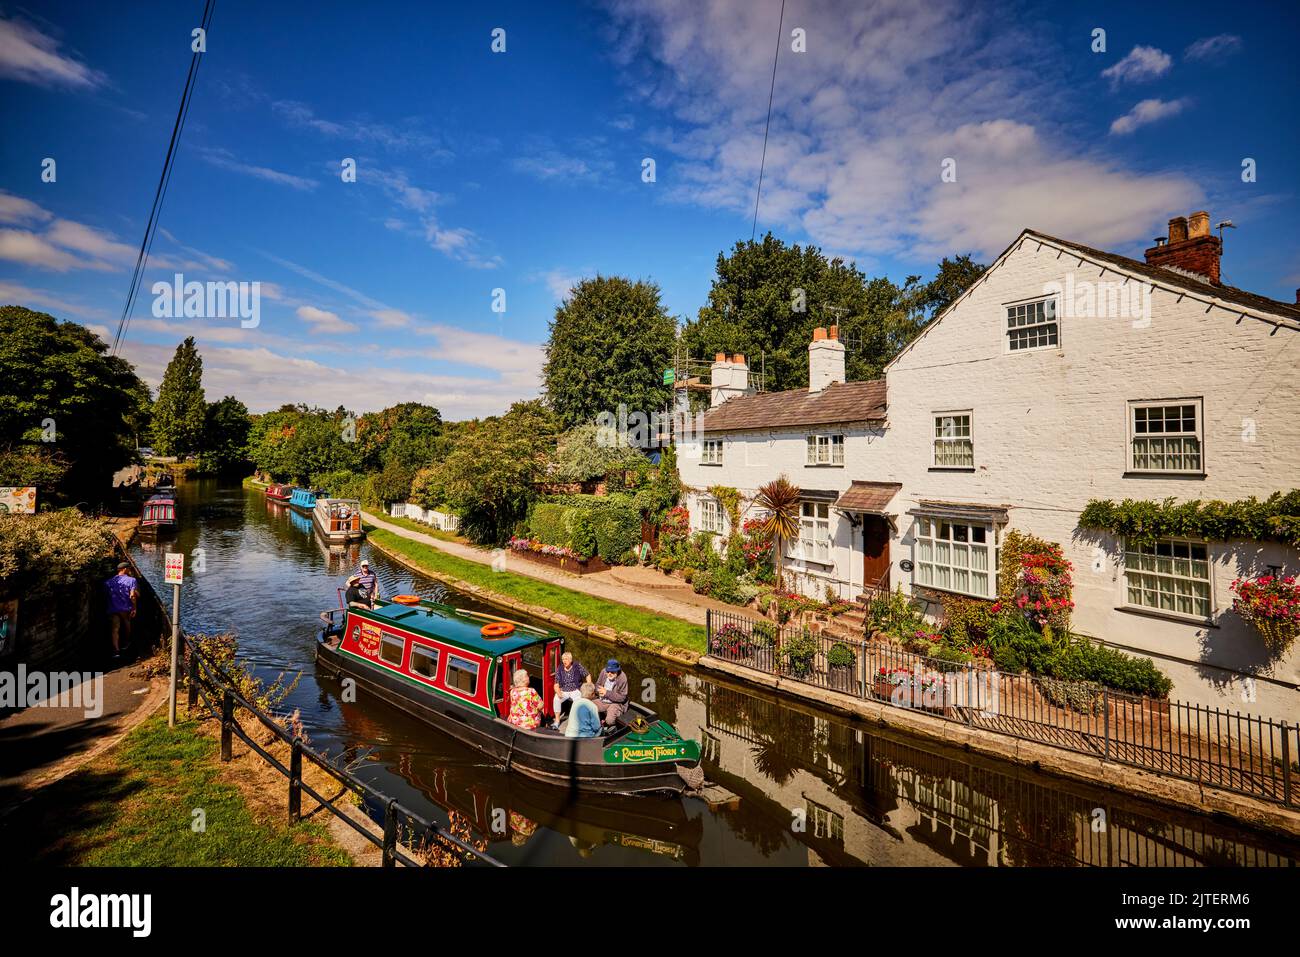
(135, 806)
(592, 610)
(414, 526)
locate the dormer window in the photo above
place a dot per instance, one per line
(825, 450)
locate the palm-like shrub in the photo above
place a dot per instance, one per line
(779, 499)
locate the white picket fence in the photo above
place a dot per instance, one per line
(443, 521)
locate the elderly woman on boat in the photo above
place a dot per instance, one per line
(525, 703)
(584, 718)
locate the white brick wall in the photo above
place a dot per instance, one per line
(1051, 432)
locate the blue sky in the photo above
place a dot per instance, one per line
(522, 170)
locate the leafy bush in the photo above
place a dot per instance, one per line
(1274, 518)
(42, 551)
(798, 652)
(701, 581)
(618, 531)
(840, 656)
(1083, 660)
(1017, 645)
(948, 658)
(548, 523)
(726, 587)
(582, 532)
(1082, 696)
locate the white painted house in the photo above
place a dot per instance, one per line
(1064, 374)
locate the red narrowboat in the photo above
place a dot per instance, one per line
(452, 668)
(278, 493)
(158, 515)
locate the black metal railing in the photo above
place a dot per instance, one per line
(1231, 750)
(208, 682)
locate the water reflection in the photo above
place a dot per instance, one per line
(813, 789)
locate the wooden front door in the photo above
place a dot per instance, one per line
(875, 552)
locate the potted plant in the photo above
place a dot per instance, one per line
(1271, 605)
(840, 661)
(797, 654)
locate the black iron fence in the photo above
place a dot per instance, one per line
(401, 825)
(1226, 749)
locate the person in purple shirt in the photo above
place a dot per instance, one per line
(569, 676)
(123, 593)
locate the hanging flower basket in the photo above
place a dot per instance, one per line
(1271, 604)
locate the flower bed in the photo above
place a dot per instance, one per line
(557, 556)
(910, 688)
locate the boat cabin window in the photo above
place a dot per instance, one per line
(391, 650)
(424, 661)
(462, 675)
(532, 655)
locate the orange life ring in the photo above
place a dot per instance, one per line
(497, 629)
(406, 599)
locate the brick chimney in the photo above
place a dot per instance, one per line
(825, 359)
(1190, 247)
(729, 376)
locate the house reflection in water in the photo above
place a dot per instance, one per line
(857, 796)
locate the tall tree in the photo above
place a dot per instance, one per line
(489, 478)
(295, 443)
(767, 297)
(225, 435)
(404, 435)
(610, 342)
(180, 412)
(69, 412)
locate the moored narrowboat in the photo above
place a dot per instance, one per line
(303, 499)
(158, 515)
(338, 520)
(278, 492)
(452, 668)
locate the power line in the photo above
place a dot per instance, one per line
(768, 126)
(151, 227)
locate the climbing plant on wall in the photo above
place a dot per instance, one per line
(1276, 518)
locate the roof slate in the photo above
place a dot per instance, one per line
(838, 403)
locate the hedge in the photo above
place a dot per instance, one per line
(604, 525)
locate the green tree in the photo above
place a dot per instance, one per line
(69, 412)
(180, 411)
(490, 477)
(588, 452)
(298, 443)
(610, 342)
(767, 297)
(225, 435)
(404, 435)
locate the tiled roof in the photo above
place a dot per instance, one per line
(1201, 287)
(839, 402)
(870, 497)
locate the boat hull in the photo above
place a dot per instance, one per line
(576, 764)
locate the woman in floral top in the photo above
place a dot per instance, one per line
(525, 703)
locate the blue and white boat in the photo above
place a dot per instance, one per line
(303, 499)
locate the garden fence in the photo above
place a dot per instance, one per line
(1232, 750)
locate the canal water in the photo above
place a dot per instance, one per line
(814, 789)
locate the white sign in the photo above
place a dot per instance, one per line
(19, 500)
(175, 565)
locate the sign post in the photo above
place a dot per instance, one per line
(175, 572)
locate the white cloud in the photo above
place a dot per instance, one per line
(861, 125)
(554, 165)
(19, 295)
(361, 130)
(561, 281)
(21, 246)
(1213, 48)
(1141, 64)
(224, 159)
(391, 318)
(458, 243)
(322, 320)
(15, 209)
(91, 241)
(30, 56)
(1147, 111)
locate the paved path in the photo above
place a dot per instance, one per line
(677, 600)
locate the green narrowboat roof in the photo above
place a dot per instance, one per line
(456, 626)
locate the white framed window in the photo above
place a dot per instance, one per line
(956, 556)
(825, 450)
(814, 543)
(712, 453)
(711, 516)
(1166, 436)
(392, 649)
(1033, 325)
(1170, 575)
(954, 440)
(826, 824)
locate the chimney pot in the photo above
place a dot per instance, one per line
(1198, 224)
(720, 357)
(1190, 247)
(833, 332)
(819, 333)
(738, 358)
(1160, 240)
(1178, 229)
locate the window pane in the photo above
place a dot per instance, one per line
(390, 649)
(424, 661)
(462, 674)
